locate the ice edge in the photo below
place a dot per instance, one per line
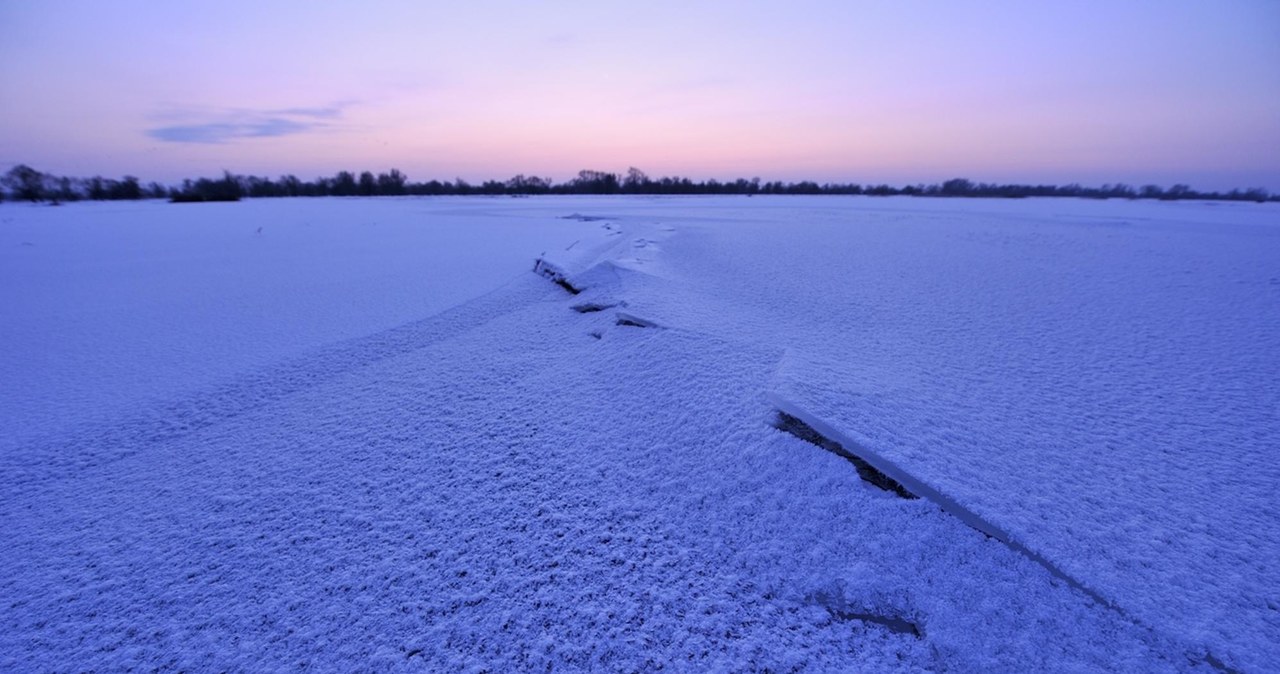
(552, 271)
(919, 488)
(915, 486)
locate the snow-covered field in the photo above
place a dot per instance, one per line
(107, 307)
(366, 436)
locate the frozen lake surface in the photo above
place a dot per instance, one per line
(366, 435)
(107, 306)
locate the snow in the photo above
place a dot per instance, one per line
(107, 307)
(392, 447)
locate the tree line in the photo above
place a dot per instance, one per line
(27, 184)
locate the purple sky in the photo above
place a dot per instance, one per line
(901, 92)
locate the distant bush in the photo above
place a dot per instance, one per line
(23, 182)
(205, 189)
(192, 198)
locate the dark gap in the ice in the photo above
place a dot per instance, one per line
(1218, 664)
(582, 218)
(549, 271)
(866, 471)
(634, 324)
(889, 622)
(596, 333)
(410, 654)
(591, 307)
(567, 286)
(541, 268)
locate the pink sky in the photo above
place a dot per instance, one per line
(897, 92)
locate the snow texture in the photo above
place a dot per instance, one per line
(392, 448)
(107, 307)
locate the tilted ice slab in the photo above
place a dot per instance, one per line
(853, 448)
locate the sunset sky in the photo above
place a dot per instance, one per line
(898, 92)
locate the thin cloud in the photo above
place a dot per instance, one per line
(217, 127)
(216, 132)
(331, 112)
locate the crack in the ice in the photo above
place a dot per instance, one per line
(550, 271)
(868, 473)
(591, 307)
(892, 623)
